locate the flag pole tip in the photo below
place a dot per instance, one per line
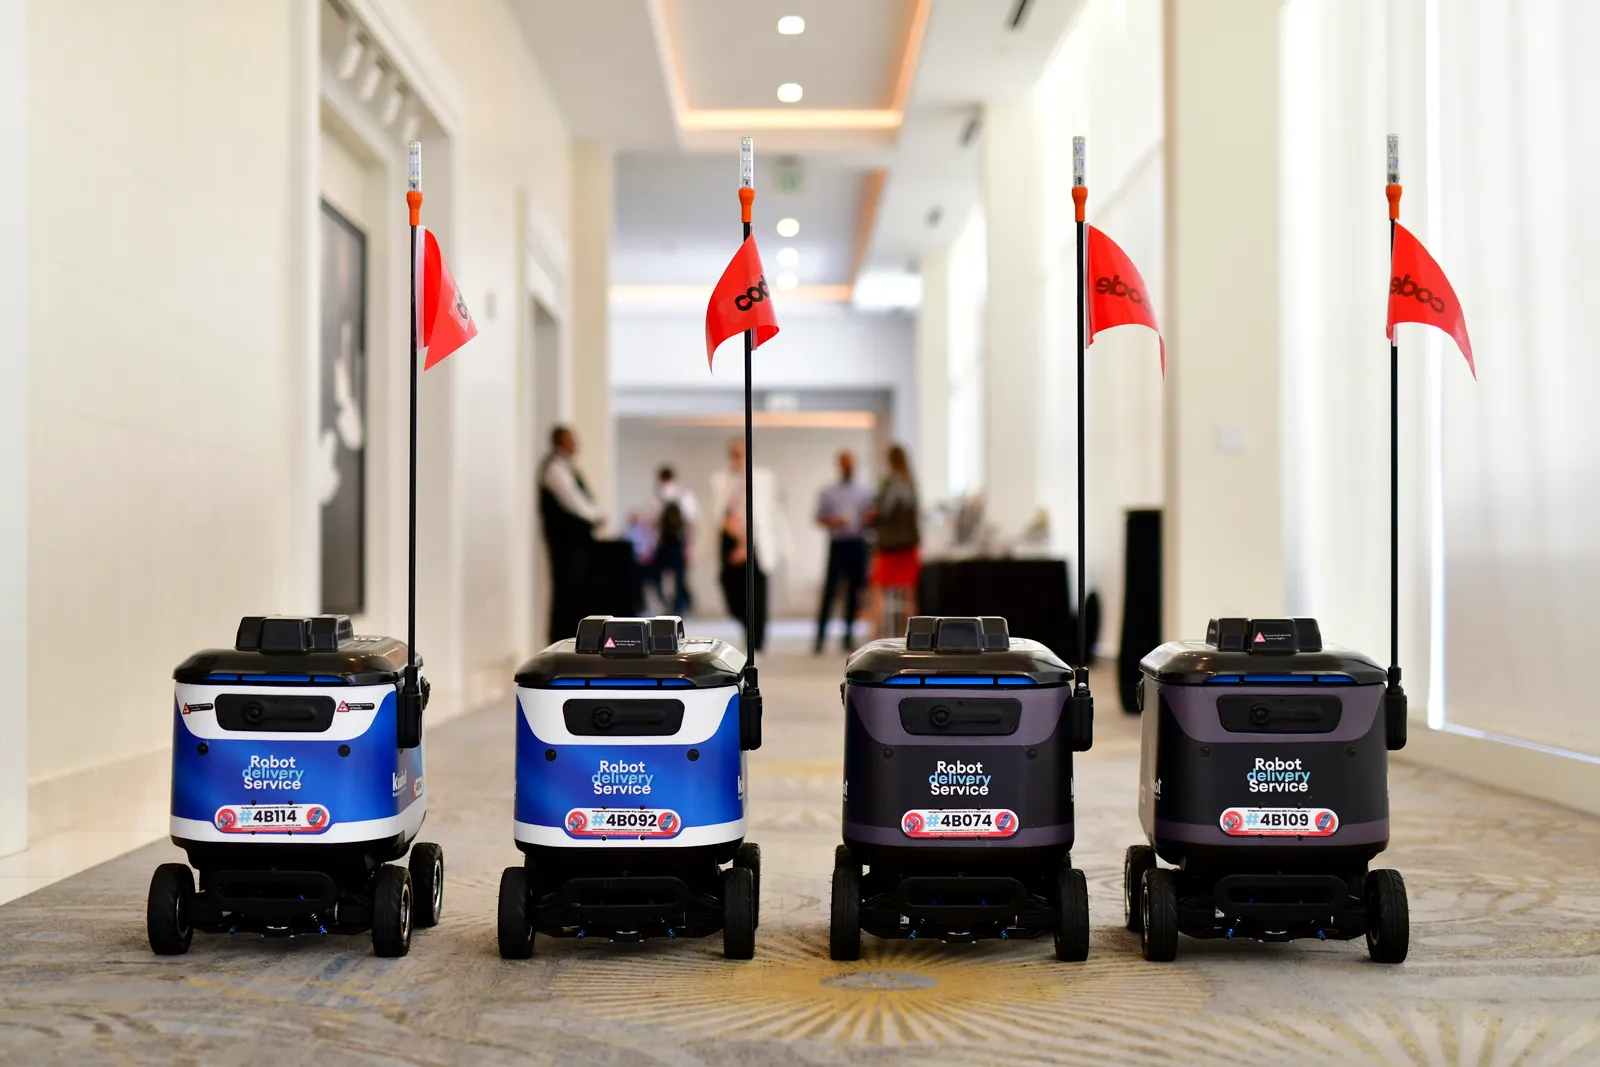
(747, 197)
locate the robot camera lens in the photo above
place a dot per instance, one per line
(602, 717)
(940, 716)
(1260, 714)
(254, 713)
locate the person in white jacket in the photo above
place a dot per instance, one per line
(727, 497)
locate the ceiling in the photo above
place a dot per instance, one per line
(874, 151)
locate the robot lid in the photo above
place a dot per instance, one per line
(610, 650)
(956, 650)
(1262, 652)
(298, 648)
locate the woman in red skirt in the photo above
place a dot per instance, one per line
(897, 563)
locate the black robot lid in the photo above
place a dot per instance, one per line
(298, 648)
(614, 650)
(1261, 651)
(950, 648)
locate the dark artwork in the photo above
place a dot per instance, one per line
(342, 427)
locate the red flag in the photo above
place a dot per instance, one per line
(1419, 292)
(446, 323)
(1117, 296)
(740, 301)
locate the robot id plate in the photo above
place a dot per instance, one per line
(1279, 822)
(959, 822)
(273, 818)
(623, 823)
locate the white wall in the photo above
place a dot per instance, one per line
(511, 160)
(14, 423)
(158, 155)
(171, 159)
(1104, 83)
(818, 346)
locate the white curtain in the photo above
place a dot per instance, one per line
(1500, 518)
(1519, 154)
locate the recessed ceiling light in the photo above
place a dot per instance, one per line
(790, 92)
(788, 227)
(787, 281)
(788, 257)
(790, 25)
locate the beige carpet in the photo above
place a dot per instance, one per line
(1504, 968)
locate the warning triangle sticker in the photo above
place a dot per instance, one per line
(1260, 638)
(610, 643)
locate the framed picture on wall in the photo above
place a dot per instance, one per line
(342, 423)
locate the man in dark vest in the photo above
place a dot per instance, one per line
(569, 516)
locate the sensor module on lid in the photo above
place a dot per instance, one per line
(610, 636)
(290, 633)
(932, 633)
(1264, 635)
(1272, 635)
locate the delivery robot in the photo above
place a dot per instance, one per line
(1263, 782)
(958, 797)
(630, 792)
(297, 783)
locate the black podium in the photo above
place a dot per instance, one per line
(1032, 595)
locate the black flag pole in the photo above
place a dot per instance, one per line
(1394, 695)
(411, 721)
(752, 686)
(1082, 699)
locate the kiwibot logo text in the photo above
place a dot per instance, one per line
(620, 777)
(953, 778)
(272, 772)
(1278, 776)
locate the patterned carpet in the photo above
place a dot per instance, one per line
(1504, 967)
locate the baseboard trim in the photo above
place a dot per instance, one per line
(1571, 780)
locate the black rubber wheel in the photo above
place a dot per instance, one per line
(427, 881)
(515, 923)
(1158, 899)
(1388, 917)
(1072, 916)
(169, 910)
(391, 911)
(738, 913)
(844, 915)
(1137, 860)
(749, 857)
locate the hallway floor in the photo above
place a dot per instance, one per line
(1504, 967)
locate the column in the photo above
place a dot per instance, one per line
(932, 456)
(1014, 315)
(593, 166)
(1223, 527)
(14, 424)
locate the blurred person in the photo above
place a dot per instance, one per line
(568, 515)
(677, 511)
(897, 564)
(727, 490)
(842, 509)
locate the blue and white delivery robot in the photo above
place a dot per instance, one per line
(630, 796)
(1264, 782)
(296, 782)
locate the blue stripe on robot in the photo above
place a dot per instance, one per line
(703, 792)
(376, 781)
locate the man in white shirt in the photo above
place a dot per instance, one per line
(569, 517)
